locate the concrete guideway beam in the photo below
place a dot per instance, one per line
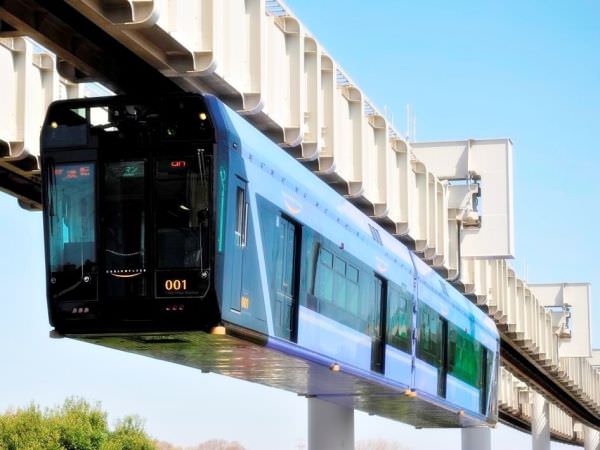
(478, 438)
(86, 53)
(330, 426)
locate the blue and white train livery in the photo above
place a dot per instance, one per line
(177, 230)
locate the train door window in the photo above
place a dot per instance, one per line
(492, 382)
(399, 318)
(239, 244)
(377, 324)
(443, 369)
(284, 283)
(71, 221)
(241, 218)
(429, 335)
(124, 221)
(483, 379)
(181, 213)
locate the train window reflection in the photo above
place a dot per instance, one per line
(124, 219)
(181, 210)
(72, 217)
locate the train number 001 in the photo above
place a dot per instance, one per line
(176, 285)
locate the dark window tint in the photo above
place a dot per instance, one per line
(124, 222)
(182, 205)
(399, 318)
(429, 340)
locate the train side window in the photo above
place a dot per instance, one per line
(241, 219)
(337, 291)
(399, 318)
(324, 276)
(464, 356)
(352, 289)
(339, 282)
(429, 336)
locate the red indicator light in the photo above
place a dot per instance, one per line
(84, 171)
(71, 174)
(178, 164)
(59, 171)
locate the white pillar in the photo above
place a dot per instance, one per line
(478, 438)
(591, 438)
(330, 426)
(540, 423)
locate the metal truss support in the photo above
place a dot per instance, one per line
(591, 438)
(540, 423)
(478, 438)
(330, 426)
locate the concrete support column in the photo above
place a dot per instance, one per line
(330, 426)
(591, 439)
(479, 438)
(540, 423)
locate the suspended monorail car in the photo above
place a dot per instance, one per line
(175, 229)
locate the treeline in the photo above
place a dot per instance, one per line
(79, 425)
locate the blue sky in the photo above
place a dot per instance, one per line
(525, 70)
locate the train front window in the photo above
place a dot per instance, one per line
(71, 222)
(181, 212)
(124, 226)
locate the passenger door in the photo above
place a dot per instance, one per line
(379, 308)
(285, 279)
(124, 229)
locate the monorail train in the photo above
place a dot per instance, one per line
(170, 218)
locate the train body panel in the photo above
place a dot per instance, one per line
(339, 342)
(298, 272)
(291, 192)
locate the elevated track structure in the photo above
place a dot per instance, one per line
(262, 61)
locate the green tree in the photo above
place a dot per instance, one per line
(76, 425)
(27, 429)
(129, 434)
(81, 426)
